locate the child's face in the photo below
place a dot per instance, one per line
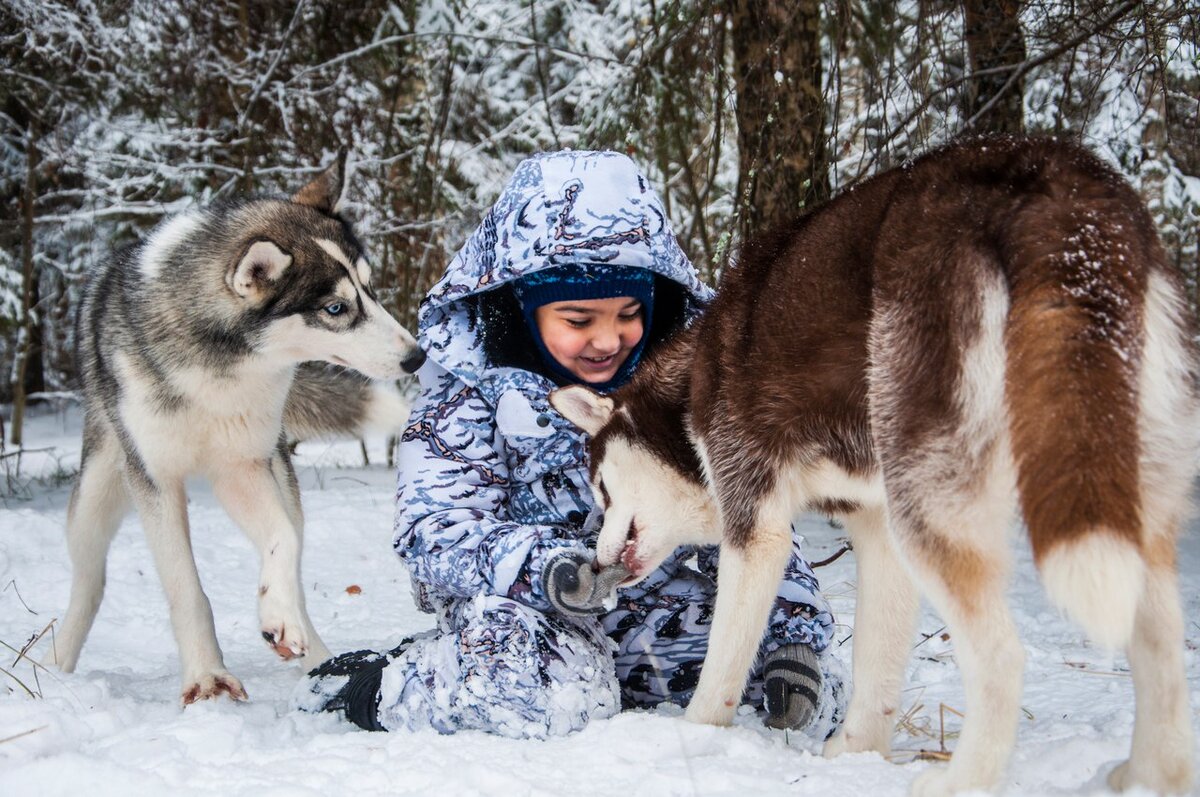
(591, 338)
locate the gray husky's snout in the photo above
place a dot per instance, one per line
(413, 362)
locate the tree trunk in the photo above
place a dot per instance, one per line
(35, 366)
(25, 330)
(994, 99)
(782, 161)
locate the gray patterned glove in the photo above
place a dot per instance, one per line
(574, 587)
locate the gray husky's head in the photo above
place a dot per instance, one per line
(297, 284)
(644, 473)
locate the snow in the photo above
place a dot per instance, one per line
(116, 727)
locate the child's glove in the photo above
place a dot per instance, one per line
(574, 587)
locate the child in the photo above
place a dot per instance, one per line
(572, 277)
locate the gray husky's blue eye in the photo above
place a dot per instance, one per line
(337, 308)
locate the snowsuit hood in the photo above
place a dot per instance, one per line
(569, 207)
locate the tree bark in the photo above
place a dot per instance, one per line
(35, 367)
(25, 331)
(782, 161)
(995, 48)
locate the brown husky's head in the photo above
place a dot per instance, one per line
(644, 473)
(300, 283)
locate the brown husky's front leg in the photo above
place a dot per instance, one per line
(884, 622)
(747, 582)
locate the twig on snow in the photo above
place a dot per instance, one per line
(23, 652)
(846, 547)
(13, 583)
(20, 683)
(23, 733)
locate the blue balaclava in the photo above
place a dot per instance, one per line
(583, 282)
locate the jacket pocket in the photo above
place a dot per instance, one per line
(547, 462)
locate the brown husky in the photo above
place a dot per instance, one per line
(990, 325)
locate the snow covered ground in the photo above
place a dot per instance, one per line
(116, 728)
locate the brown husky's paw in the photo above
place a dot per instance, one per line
(860, 740)
(707, 712)
(211, 685)
(1162, 779)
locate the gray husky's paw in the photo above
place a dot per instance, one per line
(286, 629)
(284, 646)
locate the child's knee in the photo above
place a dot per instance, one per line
(499, 641)
(528, 674)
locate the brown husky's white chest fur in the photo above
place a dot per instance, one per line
(992, 326)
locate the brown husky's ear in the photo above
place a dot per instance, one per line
(324, 193)
(259, 267)
(583, 407)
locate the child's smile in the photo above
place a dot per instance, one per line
(591, 338)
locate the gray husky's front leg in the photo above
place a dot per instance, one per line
(747, 581)
(163, 509)
(262, 500)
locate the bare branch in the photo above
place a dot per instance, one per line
(287, 35)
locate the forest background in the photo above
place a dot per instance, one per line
(742, 112)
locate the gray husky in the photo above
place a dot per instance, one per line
(187, 346)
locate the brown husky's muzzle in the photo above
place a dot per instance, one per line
(625, 552)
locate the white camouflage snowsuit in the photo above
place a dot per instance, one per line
(493, 482)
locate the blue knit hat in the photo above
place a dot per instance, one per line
(586, 281)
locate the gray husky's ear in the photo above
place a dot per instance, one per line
(259, 267)
(324, 193)
(583, 407)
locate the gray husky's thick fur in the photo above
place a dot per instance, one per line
(328, 401)
(187, 346)
(994, 325)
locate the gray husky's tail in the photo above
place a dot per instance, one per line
(330, 401)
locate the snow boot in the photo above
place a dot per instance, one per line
(349, 684)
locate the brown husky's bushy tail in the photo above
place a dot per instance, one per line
(1084, 256)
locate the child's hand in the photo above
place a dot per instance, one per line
(575, 587)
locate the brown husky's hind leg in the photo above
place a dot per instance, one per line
(1161, 757)
(938, 414)
(1163, 752)
(962, 567)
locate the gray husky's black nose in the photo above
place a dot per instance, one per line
(413, 363)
